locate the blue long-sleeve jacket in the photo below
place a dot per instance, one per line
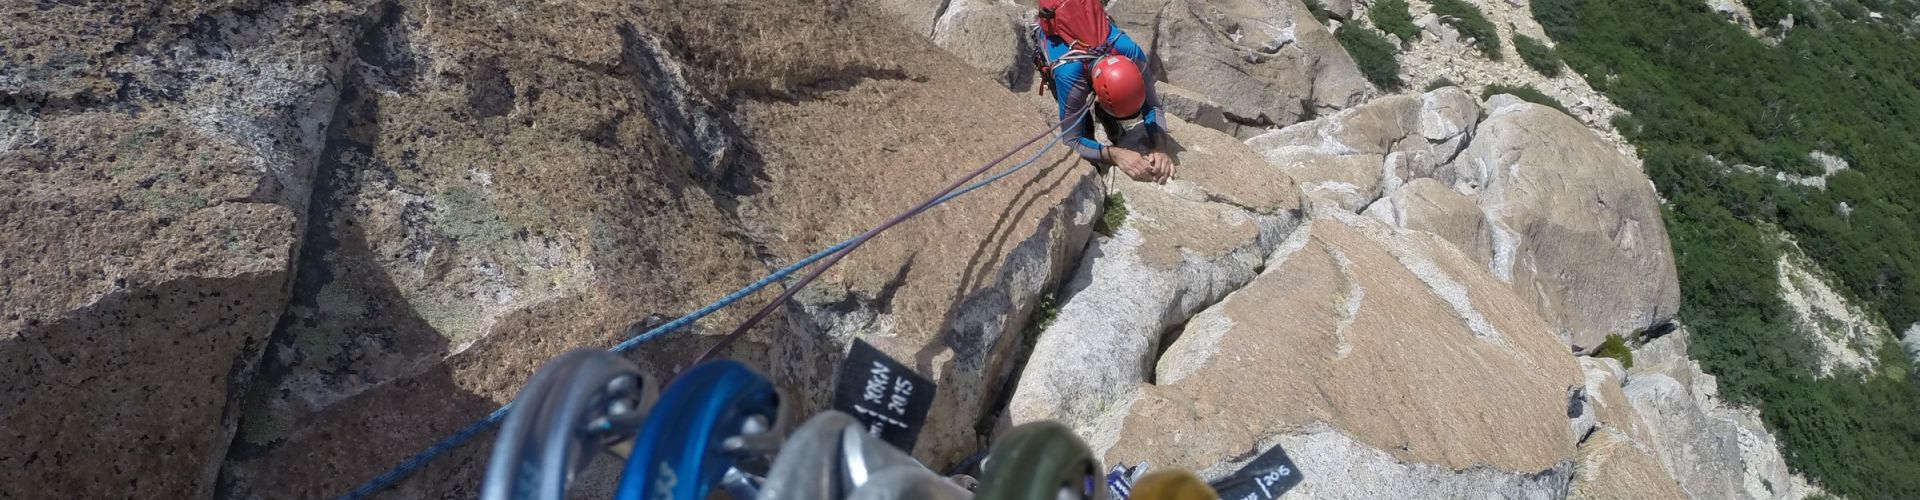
(1073, 91)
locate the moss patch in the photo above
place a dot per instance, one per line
(1112, 215)
(1616, 348)
(259, 426)
(467, 216)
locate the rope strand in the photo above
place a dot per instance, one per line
(831, 254)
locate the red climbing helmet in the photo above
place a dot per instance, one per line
(1118, 86)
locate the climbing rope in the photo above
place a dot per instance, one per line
(856, 241)
(832, 254)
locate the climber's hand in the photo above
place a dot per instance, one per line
(1134, 164)
(1162, 164)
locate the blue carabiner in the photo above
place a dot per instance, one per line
(682, 449)
(560, 422)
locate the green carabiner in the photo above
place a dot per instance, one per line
(1040, 461)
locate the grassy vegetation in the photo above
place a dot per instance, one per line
(1616, 348)
(1043, 315)
(1537, 55)
(1525, 93)
(1472, 23)
(1374, 54)
(1850, 9)
(1112, 215)
(1703, 94)
(1392, 17)
(1768, 13)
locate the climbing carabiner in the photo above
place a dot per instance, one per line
(716, 415)
(909, 483)
(1039, 461)
(810, 464)
(830, 457)
(561, 420)
(1172, 485)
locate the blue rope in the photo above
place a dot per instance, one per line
(421, 459)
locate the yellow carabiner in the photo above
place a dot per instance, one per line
(1172, 485)
(1039, 461)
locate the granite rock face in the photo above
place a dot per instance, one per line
(151, 206)
(1384, 358)
(1547, 205)
(1580, 229)
(1618, 458)
(1268, 63)
(273, 249)
(1712, 449)
(992, 36)
(1184, 246)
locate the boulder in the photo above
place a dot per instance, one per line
(1498, 102)
(152, 199)
(1711, 450)
(1267, 63)
(1616, 457)
(1340, 9)
(405, 218)
(1352, 158)
(1428, 205)
(1378, 127)
(1442, 32)
(1447, 116)
(1344, 182)
(990, 36)
(1611, 466)
(917, 16)
(1183, 246)
(1577, 224)
(1383, 361)
(1197, 109)
(1403, 166)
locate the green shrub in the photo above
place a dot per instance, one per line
(1112, 215)
(1702, 94)
(1439, 83)
(1373, 53)
(1849, 9)
(1537, 55)
(1525, 93)
(1472, 23)
(1392, 17)
(1616, 348)
(1768, 13)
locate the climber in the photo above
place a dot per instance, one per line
(1081, 54)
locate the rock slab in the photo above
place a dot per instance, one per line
(1543, 202)
(270, 249)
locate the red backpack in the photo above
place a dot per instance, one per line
(1083, 24)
